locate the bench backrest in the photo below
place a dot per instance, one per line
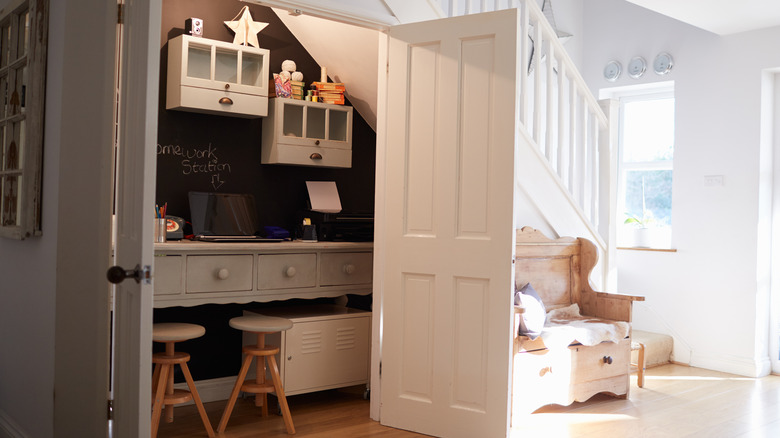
(557, 269)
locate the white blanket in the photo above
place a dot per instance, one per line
(565, 325)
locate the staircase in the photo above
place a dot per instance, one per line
(565, 187)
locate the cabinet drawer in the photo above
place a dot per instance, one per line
(345, 268)
(589, 363)
(285, 271)
(219, 273)
(540, 377)
(167, 275)
(307, 156)
(206, 100)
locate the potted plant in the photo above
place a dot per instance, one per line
(641, 227)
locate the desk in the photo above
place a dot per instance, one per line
(188, 273)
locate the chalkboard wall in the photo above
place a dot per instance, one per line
(188, 142)
(201, 152)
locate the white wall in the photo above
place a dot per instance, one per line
(27, 285)
(706, 294)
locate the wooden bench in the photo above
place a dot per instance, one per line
(559, 271)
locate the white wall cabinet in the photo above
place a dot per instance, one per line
(327, 347)
(217, 77)
(304, 133)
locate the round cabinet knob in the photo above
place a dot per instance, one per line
(290, 272)
(289, 357)
(227, 86)
(223, 274)
(349, 269)
(607, 360)
(317, 142)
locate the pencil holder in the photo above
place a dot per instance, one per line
(160, 229)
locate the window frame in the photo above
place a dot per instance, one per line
(30, 114)
(624, 96)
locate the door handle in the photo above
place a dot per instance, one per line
(117, 274)
(226, 101)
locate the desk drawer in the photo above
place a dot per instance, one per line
(226, 273)
(286, 271)
(588, 362)
(344, 268)
(167, 275)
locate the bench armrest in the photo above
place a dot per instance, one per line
(616, 307)
(619, 296)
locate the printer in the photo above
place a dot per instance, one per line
(331, 223)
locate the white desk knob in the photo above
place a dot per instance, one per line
(290, 271)
(223, 274)
(349, 269)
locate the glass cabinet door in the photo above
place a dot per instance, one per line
(315, 123)
(337, 125)
(199, 61)
(252, 69)
(226, 66)
(292, 121)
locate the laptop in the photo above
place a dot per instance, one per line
(225, 217)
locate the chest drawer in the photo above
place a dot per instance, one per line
(343, 268)
(607, 359)
(224, 273)
(285, 271)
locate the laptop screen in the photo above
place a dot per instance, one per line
(224, 214)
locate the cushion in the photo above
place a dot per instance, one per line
(532, 320)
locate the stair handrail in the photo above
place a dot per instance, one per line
(565, 119)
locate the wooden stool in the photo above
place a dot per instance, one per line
(640, 365)
(261, 325)
(162, 379)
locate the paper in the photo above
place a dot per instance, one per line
(324, 196)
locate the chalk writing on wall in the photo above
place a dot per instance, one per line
(199, 162)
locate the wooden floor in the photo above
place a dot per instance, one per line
(677, 401)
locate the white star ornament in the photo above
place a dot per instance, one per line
(246, 30)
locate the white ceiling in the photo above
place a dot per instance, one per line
(722, 17)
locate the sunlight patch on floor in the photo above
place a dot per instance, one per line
(735, 379)
(559, 424)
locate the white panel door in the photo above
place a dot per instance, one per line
(448, 192)
(135, 182)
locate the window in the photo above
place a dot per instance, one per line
(645, 168)
(23, 39)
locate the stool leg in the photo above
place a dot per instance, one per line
(261, 399)
(234, 394)
(280, 394)
(169, 351)
(640, 373)
(196, 398)
(159, 397)
(155, 377)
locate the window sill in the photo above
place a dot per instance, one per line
(637, 248)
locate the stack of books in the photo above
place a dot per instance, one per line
(296, 88)
(330, 92)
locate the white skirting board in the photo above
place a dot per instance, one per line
(211, 389)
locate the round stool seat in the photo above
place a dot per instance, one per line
(261, 323)
(176, 331)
